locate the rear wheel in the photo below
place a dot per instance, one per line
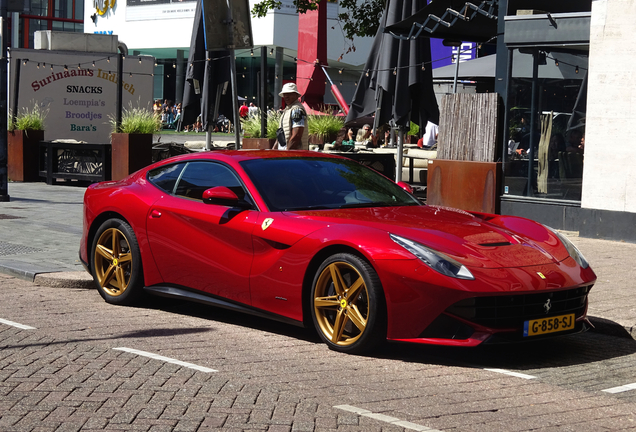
(117, 263)
(348, 307)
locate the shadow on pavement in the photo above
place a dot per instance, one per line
(556, 352)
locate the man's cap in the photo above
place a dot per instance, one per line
(289, 88)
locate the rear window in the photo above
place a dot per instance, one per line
(165, 177)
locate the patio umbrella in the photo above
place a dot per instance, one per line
(394, 84)
(203, 88)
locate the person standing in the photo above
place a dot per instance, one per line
(293, 121)
(243, 111)
(252, 110)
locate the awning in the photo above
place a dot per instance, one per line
(453, 19)
(483, 67)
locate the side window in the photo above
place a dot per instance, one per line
(200, 176)
(166, 176)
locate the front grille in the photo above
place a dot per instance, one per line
(510, 311)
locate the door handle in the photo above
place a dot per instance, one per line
(155, 214)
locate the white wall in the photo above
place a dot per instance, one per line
(277, 28)
(609, 178)
(145, 33)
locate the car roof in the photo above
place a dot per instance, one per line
(234, 156)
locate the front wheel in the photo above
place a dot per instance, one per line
(116, 263)
(348, 307)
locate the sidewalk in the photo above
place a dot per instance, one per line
(41, 227)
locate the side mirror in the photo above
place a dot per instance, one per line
(224, 196)
(407, 187)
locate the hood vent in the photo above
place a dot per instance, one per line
(496, 244)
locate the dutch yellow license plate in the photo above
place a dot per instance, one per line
(548, 325)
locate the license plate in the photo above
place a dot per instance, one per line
(548, 325)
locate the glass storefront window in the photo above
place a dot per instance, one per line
(546, 123)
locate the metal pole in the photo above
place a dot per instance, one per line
(400, 154)
(4, 149)
(237, 118)
(205, 103)
(16, 90)
(263, 92)
(533, 121)
(278, 76)
(120, 95)
(456, 70)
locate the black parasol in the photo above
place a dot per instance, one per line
(394, 84)
(213, 83)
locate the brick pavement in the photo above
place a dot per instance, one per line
(65, 375)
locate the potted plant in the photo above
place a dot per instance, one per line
(324, 128)
(252, 138)
(26, 130)
(132, 141)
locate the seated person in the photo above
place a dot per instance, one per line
(430, 136)
(344, 141)
(366, 137)
(576, 142)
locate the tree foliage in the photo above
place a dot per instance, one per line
(362, 17)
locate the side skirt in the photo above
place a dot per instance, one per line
(185, 294)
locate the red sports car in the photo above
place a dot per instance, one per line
(319, 240)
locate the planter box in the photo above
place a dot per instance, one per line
(258, 143)
(130, 152)
(328, 139)
(23, 162)
(467, 185)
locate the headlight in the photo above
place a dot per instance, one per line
(436, 260)
(572, 250)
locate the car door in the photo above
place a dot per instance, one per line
(206, 247)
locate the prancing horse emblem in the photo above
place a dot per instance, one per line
(266, 223)
(547, 306)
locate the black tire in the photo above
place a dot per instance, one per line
(116, 263)
(348, 325)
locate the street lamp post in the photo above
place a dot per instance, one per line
(4, 150)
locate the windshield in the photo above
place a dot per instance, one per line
(322, 183)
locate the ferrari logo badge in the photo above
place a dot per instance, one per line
(547, 306)
(541, 275)
(266, 223)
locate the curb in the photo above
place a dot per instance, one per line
(65, 279)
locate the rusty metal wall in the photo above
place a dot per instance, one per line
(467, 185)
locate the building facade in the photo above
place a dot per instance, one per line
(163, 29)
(569, 111)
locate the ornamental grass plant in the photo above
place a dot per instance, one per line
(251, 126)
(325, 126)
(29, 119)
(136, 120)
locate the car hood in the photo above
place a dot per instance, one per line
(488, 241)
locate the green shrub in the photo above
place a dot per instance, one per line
(136, 121)
(252, 126)
(29, 119)
(324, 126)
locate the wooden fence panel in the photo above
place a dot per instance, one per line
(468, 127)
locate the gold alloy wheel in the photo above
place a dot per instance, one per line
(113, 262)
(341, 303)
